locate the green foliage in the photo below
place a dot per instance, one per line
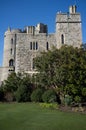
(22, 94)
(84, 91)
(17, 87)
(24, 90)
(12, 82)
(77, 99)
(49, 105)
(49, 96)
(36, 95)
(64, 68)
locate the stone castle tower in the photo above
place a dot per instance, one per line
(21, 47)
(68, 28)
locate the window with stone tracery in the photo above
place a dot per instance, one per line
(12, 41)
(33, 45)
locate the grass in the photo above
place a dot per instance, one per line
(28, 116)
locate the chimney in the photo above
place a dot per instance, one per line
(72, 9)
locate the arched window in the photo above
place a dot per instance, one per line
(62, 39)
(47, 46)
(11, 62)
(12, 41)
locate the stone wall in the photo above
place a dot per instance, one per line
(24, 53)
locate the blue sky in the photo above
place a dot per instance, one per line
(20, 13)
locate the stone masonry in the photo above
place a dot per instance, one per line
(22, 46)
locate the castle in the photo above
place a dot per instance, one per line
(21, 47)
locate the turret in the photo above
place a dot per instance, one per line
(9, 51)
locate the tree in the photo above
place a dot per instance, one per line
(18, 86)
(64, 69)
(12, 82)
(11, 85)
(46, 64)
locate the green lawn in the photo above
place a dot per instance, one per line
(28, 116)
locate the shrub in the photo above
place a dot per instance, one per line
(49, 105)
(77, 99)
(49, 96)
(84, 91)
(22, 94)
(36, 95)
